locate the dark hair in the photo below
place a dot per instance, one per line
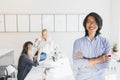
(98, 20)
(25, 47)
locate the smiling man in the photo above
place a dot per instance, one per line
(90, 53)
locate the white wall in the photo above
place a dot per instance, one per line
(115, 37)
(16, 40)
(59, 6)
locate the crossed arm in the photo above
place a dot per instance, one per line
(92, 62)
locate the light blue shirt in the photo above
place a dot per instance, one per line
(90, 49)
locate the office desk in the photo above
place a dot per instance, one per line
(6, 58)
(113, 71)
(59, 70)
(3, 52)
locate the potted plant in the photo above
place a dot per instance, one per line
(115, 47)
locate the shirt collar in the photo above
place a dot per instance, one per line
(93, 39)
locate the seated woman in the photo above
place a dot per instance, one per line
(26, 60)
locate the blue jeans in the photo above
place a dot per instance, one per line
(43, 56)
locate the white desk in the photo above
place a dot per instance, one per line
(113, 70)
(5, 51)
(6, 56)
(61, 70)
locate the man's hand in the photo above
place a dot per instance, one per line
(36, 40)
(104, 58)
(92, 62)
(79, 55)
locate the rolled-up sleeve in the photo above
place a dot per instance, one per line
(78, 62)
(107, 51)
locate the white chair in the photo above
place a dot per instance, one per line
(10, 72)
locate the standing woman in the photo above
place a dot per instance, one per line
(26, 60)
(90, 53)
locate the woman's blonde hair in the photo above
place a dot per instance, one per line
(44, 30)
